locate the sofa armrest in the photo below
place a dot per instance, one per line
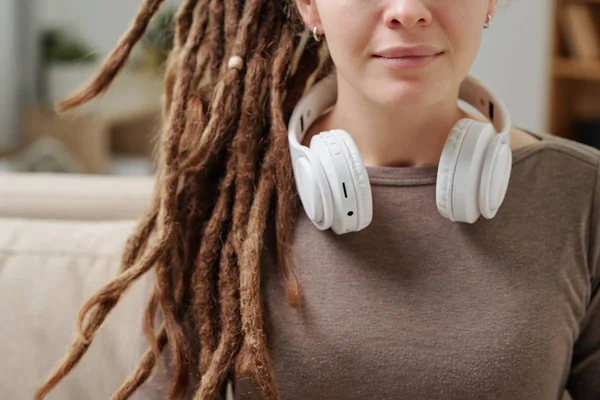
(73, 196)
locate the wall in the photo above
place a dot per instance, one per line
(514, 59)
(9, 77)
(98, 23)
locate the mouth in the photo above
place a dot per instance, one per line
(420, 56)
(408, 52)
(408, 61)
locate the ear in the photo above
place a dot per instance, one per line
(309, 13)
(492, 7)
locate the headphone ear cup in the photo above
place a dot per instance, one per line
(360, 179)
(313, 190)
(495, 177)
(467, 152)
(467, 178)
(447, 168)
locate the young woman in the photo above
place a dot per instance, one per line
(329, 223)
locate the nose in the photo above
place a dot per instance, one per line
(406, 13)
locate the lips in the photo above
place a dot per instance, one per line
(408, 52)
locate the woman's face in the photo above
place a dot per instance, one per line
(359, 32)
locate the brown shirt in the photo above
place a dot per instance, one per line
(419, 307)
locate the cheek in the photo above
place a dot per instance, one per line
(347, 24)
(463, 32)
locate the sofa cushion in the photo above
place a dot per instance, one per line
(74, 197)
(48, 269)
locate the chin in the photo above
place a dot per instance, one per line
(405, 92)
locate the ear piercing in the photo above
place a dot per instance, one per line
(487, 21)
(316, 34)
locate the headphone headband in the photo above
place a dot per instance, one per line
(333, 183)
(324, 94)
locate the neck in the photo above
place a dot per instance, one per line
(407, 135)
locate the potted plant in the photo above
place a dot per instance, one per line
(158, 39)
(66, 63)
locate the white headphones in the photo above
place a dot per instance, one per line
(332, 180)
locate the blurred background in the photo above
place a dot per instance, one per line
(542, 56)
(50, 49)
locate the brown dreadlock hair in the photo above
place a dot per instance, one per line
(223, 171)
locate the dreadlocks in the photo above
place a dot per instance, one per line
(223, 171)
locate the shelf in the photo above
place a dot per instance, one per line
(577, 69)
(574, 82)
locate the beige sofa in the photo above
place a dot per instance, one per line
(61, 237)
